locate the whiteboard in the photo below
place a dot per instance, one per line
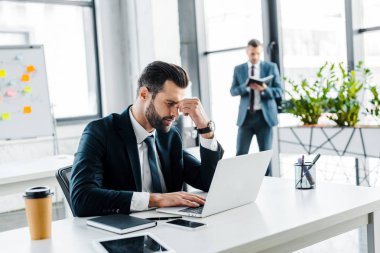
(25, 110)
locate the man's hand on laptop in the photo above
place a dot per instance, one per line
(175, 199)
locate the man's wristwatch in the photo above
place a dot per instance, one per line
(210, 128)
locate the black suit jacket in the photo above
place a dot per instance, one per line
(106, 169)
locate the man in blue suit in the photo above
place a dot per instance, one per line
(257, 109)
(135, 160)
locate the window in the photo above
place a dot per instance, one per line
(229, 25)
(66, 29)
(371, 10)
(14, 37)
(313, 33)
(372, 54)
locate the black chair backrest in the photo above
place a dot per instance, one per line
(63, 176)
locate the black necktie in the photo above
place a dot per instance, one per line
(252, 92)
(156, 184)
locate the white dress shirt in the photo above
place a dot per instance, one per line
(257, 102)
(140, 200)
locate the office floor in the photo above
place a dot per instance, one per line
(17, 219)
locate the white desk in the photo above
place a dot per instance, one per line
(282, 220)
(17, 176)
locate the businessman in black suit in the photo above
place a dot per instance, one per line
(135, 160)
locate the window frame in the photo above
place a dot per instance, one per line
(90, 4)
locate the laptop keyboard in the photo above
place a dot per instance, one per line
(197, 210)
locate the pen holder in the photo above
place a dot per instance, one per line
(304, 176)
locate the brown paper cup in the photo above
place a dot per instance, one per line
(38, 205)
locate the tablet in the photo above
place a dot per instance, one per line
(143, 243)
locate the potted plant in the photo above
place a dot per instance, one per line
(345, 105)
(308, 101)
(374, 103)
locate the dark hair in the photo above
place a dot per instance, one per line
(254, 43)
(157, 72)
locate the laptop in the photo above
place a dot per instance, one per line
(236, 182)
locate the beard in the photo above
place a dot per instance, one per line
(155, 120)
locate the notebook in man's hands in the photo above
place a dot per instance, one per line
(258, 80)
(120, 223)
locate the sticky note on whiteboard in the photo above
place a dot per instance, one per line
(25, 78)
(27, 89)
(3, 73)
(27, 109)
(5, 116)
(10, 93)
(30, 68)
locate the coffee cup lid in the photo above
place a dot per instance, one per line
(37, 192)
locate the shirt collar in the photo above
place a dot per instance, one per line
(140, 132)
(257, 65)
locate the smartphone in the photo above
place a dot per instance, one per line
(186, 224)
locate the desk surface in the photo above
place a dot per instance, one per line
(15, 177)
(27, 170)
(282, 219)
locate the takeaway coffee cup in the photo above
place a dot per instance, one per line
(38, 205)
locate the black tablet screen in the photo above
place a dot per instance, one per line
(139, 244)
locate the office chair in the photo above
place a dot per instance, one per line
(63, 176)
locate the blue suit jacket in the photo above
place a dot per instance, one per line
(268, 103)
(106, 169)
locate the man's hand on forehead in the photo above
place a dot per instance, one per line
(188, 104)
(193, 107)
